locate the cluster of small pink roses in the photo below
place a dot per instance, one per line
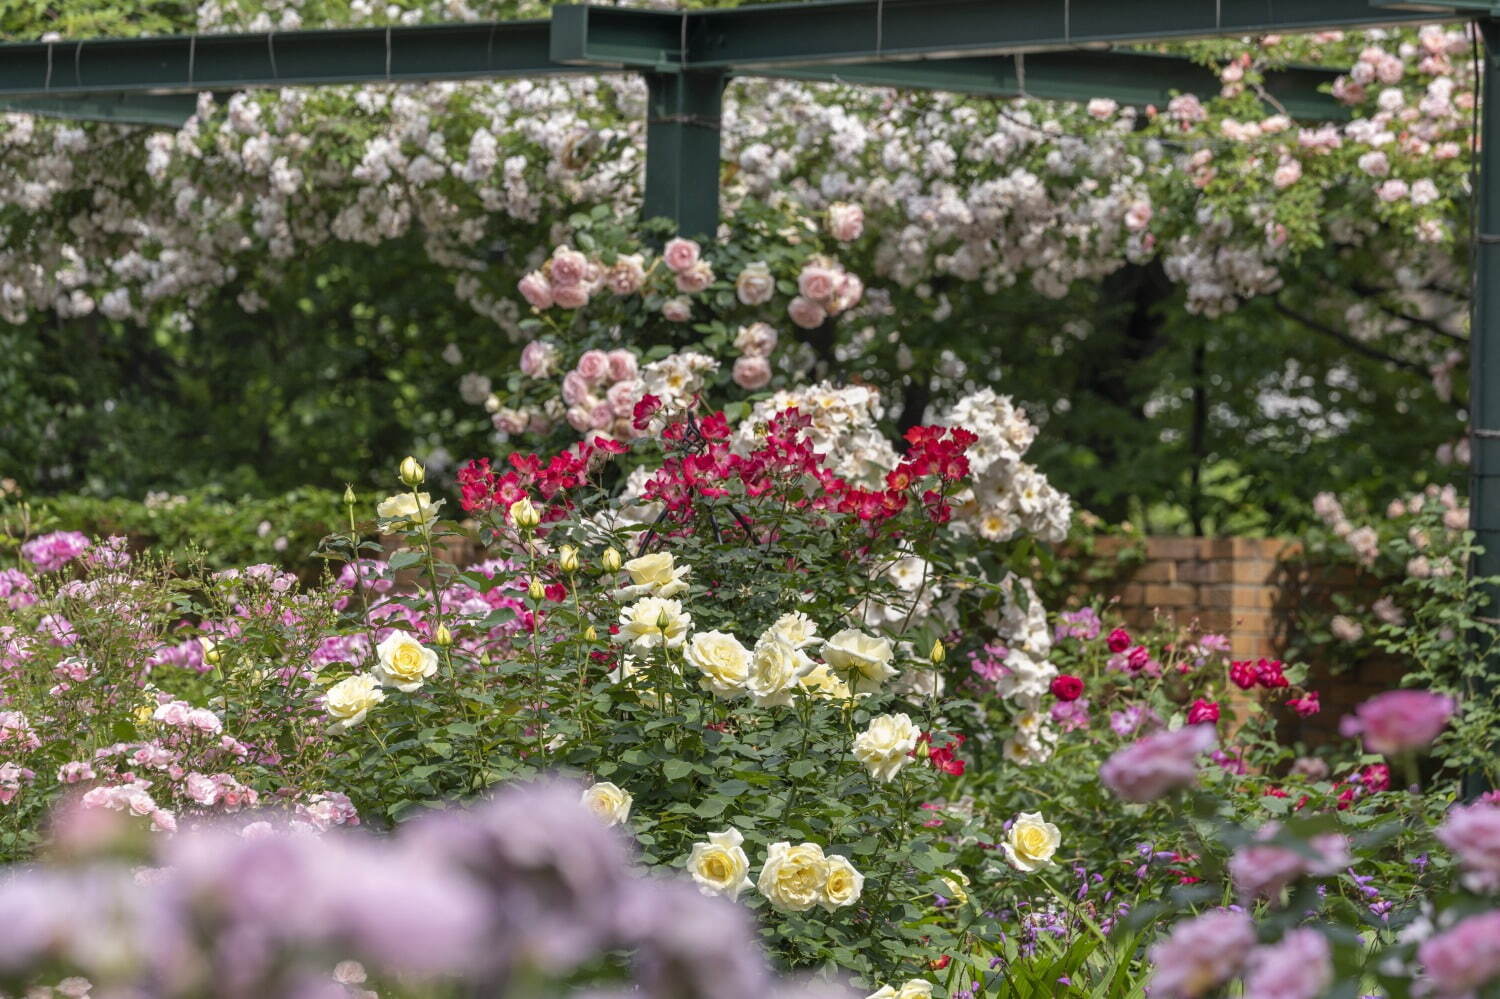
(601, 392)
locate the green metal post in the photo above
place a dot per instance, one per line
(1484, 341)
(682, 149)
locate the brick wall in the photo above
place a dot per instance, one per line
(1255, 590)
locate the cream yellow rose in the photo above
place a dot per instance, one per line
(864, 660)
(654, 575)
(652, 622)
(416, 509)
(609, 802)
(1031, 842)
(821, 681)
(720, 867)
(403, 662)
(794, 628)
(724, 662)
(916, 988)
(793, 877)
(886, 745)
(775, 668)
(843, 886)
(348, 701)
(957, 883)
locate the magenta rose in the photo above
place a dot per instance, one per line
(1203, 712)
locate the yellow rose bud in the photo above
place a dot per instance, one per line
(210, 651)
(348, 495)
(938, 653)
(443, 637)
(611, 560)
(524, 515)
(924, 750)
(411, 472)
(590, 634)
(536, 589)
(567, 558)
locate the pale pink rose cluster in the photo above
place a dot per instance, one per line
(1399, 721)
(16, 733)
(569, 279)
(1299, 966)
(690, 272)
(1159, 763)
(1200, 954)
(601, 392)
(1460, 960)
(755, 342)
(1472, 832)
(846, 221)
(824, 289)
(133, 797)
(1262, 869)
(181, 715)
(221, 790)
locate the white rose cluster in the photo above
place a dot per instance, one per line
(1007, 497)
(844, 428)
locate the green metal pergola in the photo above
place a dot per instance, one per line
(1053, 49)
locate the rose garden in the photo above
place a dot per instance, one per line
(450, 545)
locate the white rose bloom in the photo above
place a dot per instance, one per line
(885, 746)
(863, 659)
(793, 877)
(821, 681)
(351, 698)
(655, 575)
(720, 867)
(609, 802)
(403, 662)
(653, 622)
(916, 988)
(775, 668)
(1031, 842)
(724, 662)
(844, 884)
(794, 628)
(1026, 677)
(405, 508)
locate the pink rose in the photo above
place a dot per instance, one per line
(581, 418)
(1200, 954)
(1458, 961)
(538, 359)
(1138, 216)
(621, 397)
(846, 222)
(1399, 720)
(1288, 172)
(1262, 870)
(572, 296)
(756, 340)
(627, 275)
(622, 365)
(752, 372)
(1203, 712)
(1472, 832)
(537, 290)
(602, 417)
(569, 267)
(850, 290)
(1394, 189)
(679, 254)
(1158, 763)
(593, 366)
(677, 310)
(575, 388)
(806, 313)
(1298, 967)
(817, 282)
(695, 278)
(755, 285)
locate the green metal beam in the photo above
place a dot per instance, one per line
(161, 110)
(1484, 344)
(187, 64)
(620, 37)
(682, 150)
(1129, 77)
(832, 31)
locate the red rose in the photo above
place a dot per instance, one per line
(1067, 688)
(1118, 640)
(1203, 712)
(1137, 658)
(1242, 674)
